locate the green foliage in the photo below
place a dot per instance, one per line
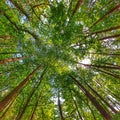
(83, 45)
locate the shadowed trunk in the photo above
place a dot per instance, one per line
(36, 104)
(106, 30)
(19, 116)
(20, 8)
(103, 112)
(106, 15)
(109, 37)
(12, 60)
(60, 108)
(77, 6)
(16, 90)
(112, 108)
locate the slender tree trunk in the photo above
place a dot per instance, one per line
(106, 15)
(106, 30)
(86, 102)
(108, 37)
(20, 8)
(11, 52)
(101, 66)
(19, 116)
(75, 103)
(108, 54)
(60, 108)
(36, 104)
(12, 60)
(103, 112)
(112, 108)
(77, 6)
(108, 73)
(16, 90)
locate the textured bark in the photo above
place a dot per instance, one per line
(16, 90)
(6, 110)
(12, 60)
(107, 54)
(103, 112)
(106, 15)
(111, 107)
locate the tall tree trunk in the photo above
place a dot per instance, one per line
(103, 112)
(106, 15)
(30, 96)
(106, 30)
(6, 110)
(86, 102)
(101, 66)
(77, 6)
(36, 104)
(11, 52)
(112, 108)
(16, 90)
(12, 60)
(20, 8)
(60, 108)
(75, 103)
(108, 73)
(108, 37)
(108, 54)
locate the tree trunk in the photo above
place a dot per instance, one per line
(60, 108)
(12, 60)
(19, 116)
(112, 108)
(109, 37)
(106, 30)
(103, 112)
(106, 15)
(16, 90)
(36, 104)
(77, 6)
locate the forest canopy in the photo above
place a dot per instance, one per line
(59, 59)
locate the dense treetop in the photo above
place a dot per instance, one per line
(59, 59)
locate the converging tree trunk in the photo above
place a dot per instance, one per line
(103, 112)
(16, 90)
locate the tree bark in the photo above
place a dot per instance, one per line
(36, 104)
(77, 6)
(106, 30)
(106, 15)
(103, 112)
(19, 116)
(12, 60)
(60, 108)
(112, 108)
(16, 90)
